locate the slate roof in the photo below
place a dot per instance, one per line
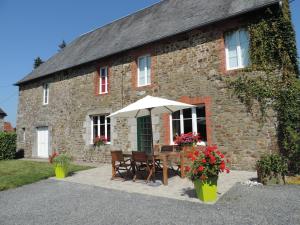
(164, 19)
(2, 113)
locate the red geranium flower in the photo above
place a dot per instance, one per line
(222, 166)
(201, 168)
(187, 169)
(227, 170)
(204, 160)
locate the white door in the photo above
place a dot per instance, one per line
(42, 142)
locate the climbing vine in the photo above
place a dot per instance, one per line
(276, 83)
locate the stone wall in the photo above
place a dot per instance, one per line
(188, 67)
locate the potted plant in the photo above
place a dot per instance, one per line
(61, 164)
(100, 140)
(187, 140)
(206, 164)
(271, 169)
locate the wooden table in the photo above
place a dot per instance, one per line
(165, 157)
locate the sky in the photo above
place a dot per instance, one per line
(34, 28)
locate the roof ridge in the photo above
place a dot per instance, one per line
(124, 17)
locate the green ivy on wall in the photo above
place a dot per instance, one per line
(273, 52)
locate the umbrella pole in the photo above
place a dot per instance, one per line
(152, 150)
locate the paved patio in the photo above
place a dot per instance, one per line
(180, 189)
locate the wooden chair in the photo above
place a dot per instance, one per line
(171, 148)
(141, 163)
(119, 164)
(157, 162)
(167, 148)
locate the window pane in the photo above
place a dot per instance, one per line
(188, 126)
(201, 126)
(176, 128)
(231, 45)
(148, 70)
(95, 133)
(108, 132)
(244, 36)
(102, 130)
(230, 39)
(103, 72)
(176, 115)
(103, 88)
(233, 62)
(200, 111)
(108, 120)
(95, 120)
(187, 113)
(102, 119)
(244, 43)
(142, 65)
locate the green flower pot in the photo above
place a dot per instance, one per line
(61, 171)
(207, 190)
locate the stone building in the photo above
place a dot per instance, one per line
(180, 50)
(2, 115)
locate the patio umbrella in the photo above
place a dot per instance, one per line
(150, 105)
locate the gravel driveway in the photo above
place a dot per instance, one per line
(57, 202)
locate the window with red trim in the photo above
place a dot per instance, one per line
(188, 120)
(103, 81)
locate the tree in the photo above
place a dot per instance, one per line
(62, 45)
(37, 62)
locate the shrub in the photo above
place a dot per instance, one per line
(7, 145)
(271, 169)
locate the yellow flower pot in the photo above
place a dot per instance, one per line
(207, 190)
(61, 171)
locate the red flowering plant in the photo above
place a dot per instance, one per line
(61, 159)
(100, 140)
(207, 162)
(188, 139)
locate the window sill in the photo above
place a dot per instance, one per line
(235, 71)
(141, 86)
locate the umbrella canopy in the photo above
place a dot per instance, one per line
(152, 105)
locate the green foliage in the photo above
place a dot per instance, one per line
(273, 163)
(62, 160)
(273, 51)
(271, 166)
(62, 45)
(37, 62)
(7, 145)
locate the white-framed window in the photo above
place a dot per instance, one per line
(188, 120)
(237, 49)
(103, 88)
(45, 94)
(100, 126)
(144, 71)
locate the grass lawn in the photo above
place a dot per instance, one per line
(15, 173)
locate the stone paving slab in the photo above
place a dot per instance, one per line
(180, 189)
